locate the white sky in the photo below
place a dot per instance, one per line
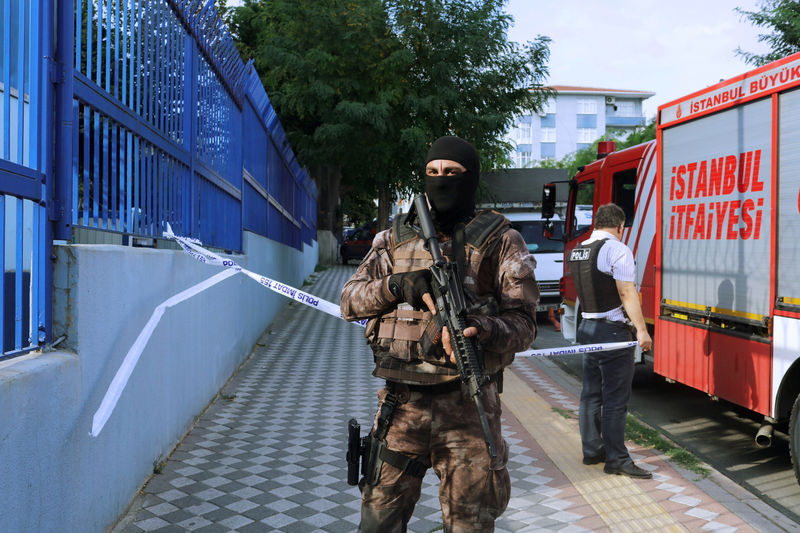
(670, 47)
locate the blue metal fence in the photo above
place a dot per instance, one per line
(161, 124)
(24, 233)
(157, 120)
(279, 196)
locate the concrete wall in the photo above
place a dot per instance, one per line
(328, 248)
(53, 475)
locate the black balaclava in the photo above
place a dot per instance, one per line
(452, 197)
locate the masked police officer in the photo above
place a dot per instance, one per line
(603, 270)
(425, 417)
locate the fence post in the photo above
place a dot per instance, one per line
(46, 259)
(60, 203)
(190, 130)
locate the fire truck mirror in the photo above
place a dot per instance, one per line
(548, 230)
(548, 200)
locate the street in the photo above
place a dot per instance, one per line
(719, 433)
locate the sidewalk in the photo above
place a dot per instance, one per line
(268, 454)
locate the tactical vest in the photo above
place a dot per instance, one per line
(597, 290)
(395, 336)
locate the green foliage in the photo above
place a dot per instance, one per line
(328, 70)
(159, 464)
(583, 157)
(781, 19)
(639, 135)
(466, 78)
(359, 206)
(644, 435)
(364, 86)
(565, 413)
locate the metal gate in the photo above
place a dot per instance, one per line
(118, 117)
(24, 137)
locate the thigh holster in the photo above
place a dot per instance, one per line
(377, 451)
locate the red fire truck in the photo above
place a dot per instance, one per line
(713, 219)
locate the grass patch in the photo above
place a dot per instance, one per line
(437, 528)
(320, 268)
(158, 465)
(566, 413)
(645, 436)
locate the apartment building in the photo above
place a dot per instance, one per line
(574, 119)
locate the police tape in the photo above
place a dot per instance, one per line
(579, 349)
(199, 253)
(117, 385)
(205, 256)
(191, 247)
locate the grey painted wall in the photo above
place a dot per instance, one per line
(53, 475)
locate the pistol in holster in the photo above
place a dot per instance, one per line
(364, 452)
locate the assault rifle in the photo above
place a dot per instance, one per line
(451, 311)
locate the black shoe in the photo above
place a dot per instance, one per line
(594, 459)
(628, 469)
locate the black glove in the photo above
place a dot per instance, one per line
(410, 286)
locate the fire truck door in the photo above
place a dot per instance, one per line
(716, 242)
(786, 332)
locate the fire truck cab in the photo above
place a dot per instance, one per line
(626, 178)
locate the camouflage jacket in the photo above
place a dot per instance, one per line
(499, 284)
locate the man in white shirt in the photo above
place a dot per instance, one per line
(604, 271)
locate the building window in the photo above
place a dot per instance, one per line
(524, 135)
(626, 109)
(550, 107)
(523, 159)
(623, 193)
(548, 135)
(583, 146)
(548, 150)
(548, 121)
(586, 135)
(587, 106)
(587, 121)
(580, 209)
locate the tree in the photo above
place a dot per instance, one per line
(465, 78)
(639, 135)
(328, 68)
(358, 205)
(782, 19)
(363, 86)
(584, 156)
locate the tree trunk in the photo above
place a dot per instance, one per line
(385, 201)
(329, 213)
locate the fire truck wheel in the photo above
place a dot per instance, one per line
(794, 437)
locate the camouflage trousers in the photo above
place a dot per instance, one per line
(444, 430)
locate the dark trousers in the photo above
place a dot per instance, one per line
(445, 429)
(607, 378)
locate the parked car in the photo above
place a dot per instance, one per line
(548, 249)
(357, 243)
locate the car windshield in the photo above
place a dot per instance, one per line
(533, 233)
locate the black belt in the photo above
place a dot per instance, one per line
(439, 388)
(614, 322)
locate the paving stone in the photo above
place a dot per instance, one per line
(272, 458)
